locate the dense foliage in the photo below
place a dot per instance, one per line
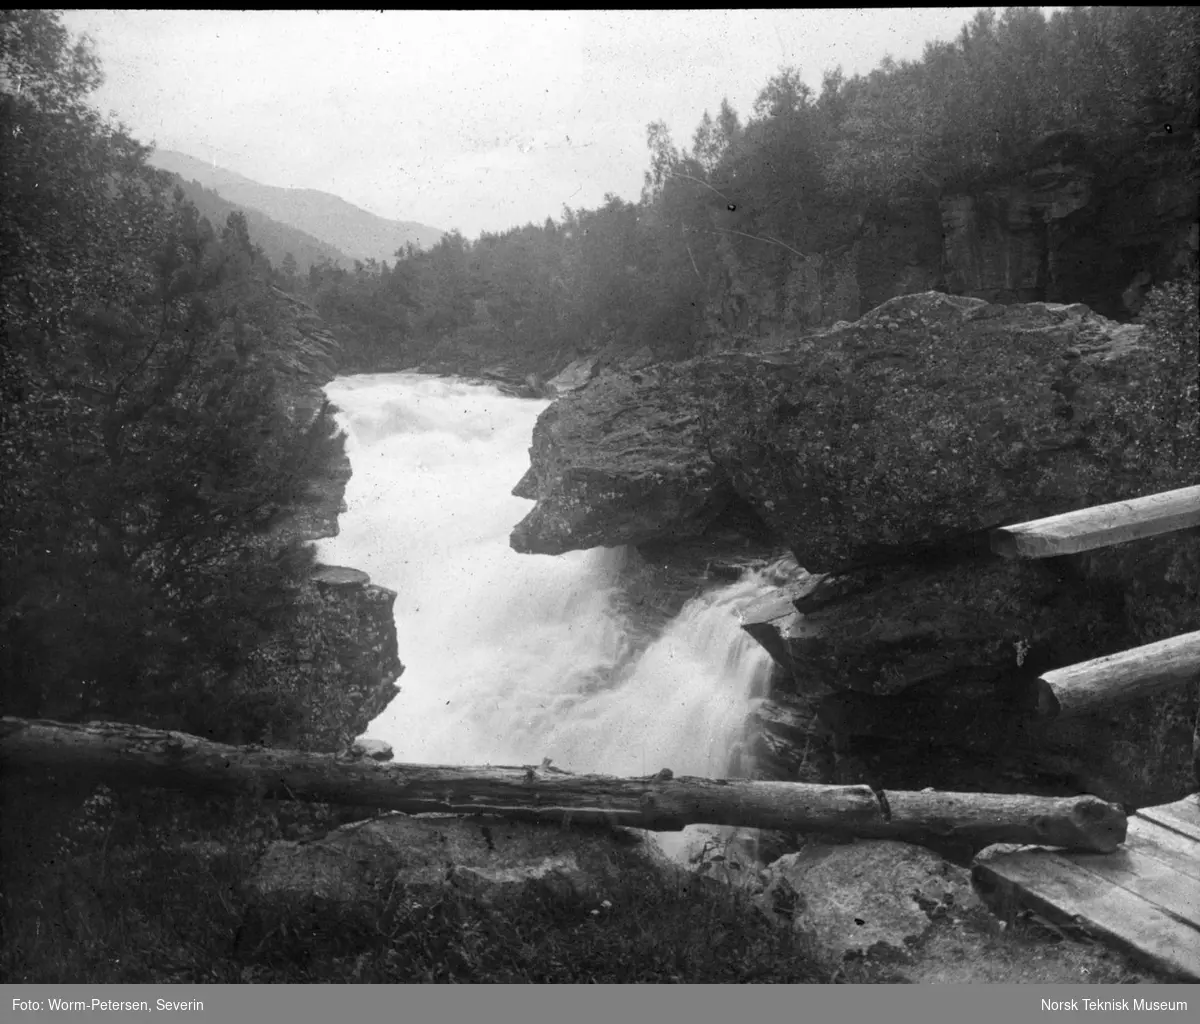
(1153, 433)
(146, 444)
(769, 206)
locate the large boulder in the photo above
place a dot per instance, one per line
(930, 417)
(886, 460)
(620, 462)
(859, 897)
(417, 865)
(424, 855)
(349, 655)
(880, 911)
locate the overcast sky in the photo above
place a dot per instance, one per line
(479, 120)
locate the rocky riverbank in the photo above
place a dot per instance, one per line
(347, 667)
(880, 453)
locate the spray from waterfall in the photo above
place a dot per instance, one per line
(512, 658)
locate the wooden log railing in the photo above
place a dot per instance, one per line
(1100, 526)
(135, 755)
(1139, 672)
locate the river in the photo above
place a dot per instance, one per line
(513, 658)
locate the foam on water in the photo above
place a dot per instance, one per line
(511, 658)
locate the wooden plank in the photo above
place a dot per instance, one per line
(1127, 675)
(1070, 895)
(1183, 817)
(1146, 876)
(1186, 809)
(1100, 526)
(1171, 848)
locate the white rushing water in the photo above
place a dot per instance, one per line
(512, 658)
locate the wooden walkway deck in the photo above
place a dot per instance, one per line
(1144, 898)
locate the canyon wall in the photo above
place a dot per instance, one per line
(1076, 221)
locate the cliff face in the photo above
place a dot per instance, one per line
(1073, 221)
(881, 452)
(345, 667)
(1101, 231)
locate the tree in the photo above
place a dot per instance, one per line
(288, 266)
(146, 446)
(445, 294)
(40, 66)
(665, 159)
(785, 93)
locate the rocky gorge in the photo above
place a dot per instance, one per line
(879, 453)
(863, 464)
(875, 454)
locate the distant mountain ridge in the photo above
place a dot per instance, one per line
(329, 218)
(275, 238)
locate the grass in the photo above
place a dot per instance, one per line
(149, 888)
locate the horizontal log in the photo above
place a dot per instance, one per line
(133, 754)
(1100, 526)
(1138, 672)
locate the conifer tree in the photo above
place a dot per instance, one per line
(146, 446)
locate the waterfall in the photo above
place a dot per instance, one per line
(513, 658)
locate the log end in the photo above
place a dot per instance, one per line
(1048, 706)
(1102, 826)
(1004, 543)
(1023, 542)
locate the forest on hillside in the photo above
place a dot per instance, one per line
(752, 202)
(148, 440)
(277, 241)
